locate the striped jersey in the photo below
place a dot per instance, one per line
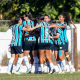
(16, 35)
(44, 33)
(64, 30)
(31, 24)
(60, 40)
(51, 34)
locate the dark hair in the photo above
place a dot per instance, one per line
(41, 17)
(52, 20)
(67, 18)
(29, 15)
(46, 15)
(13, 22)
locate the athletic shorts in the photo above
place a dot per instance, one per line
(16, 49)
(44, 46)
(52, 47)
(66, 46)
(30, 45)
(59, 47)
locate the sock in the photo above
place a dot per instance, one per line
(19, 63)
(69, 63)
(26, 62)
(36, 63)
(20, 67)
(42, 67)
(64, 65)
(51, 65)
(10, 63)
(58, 64)
(13, 66)
(48, 65)
(30, 66)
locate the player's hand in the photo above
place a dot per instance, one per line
(54, 25)
(50, 36)
(37, 26)
(28, 26)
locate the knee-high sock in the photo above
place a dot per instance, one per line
(36, 63)
(64, 64)
(10, 63)
(19, 63)
(26, 62)
(58, 64)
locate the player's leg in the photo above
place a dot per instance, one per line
(19, 51)
(27, 48)
(41, 56)
(31, 60)
(20, 59)
(34, 53)
(57, 58)
(68, 57)
(61, 53)
(47, 52)
(15, 60)
(10, 63)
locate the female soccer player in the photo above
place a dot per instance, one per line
(30, 43)
(64, 19)
(59, 46)
(44, 44)
(16, 44)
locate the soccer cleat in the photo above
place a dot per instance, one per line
(60, 72)
(36, 72)
(9, 72)
(52, 71)
(71, 70)
(17, 72)
(28, 71)
(63, 71)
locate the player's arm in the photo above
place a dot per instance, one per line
(55, 37)
(31, 29)
(63, 26)
(52, 26)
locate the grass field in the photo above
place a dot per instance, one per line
(67, 76)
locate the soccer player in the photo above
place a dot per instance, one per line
(44, 44)
(46, 18)
(64, 19)
(59, 46)
(50, 22)
(30, 43)
(16, 44)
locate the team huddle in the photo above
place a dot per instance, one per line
(39, 38)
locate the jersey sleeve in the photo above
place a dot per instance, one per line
(65, 24)
(59, 30)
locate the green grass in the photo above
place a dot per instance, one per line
(67, 76)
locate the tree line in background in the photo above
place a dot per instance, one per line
(8, 8)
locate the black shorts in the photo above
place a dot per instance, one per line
(44, 46)
(66, 46)
(30, 45)
(59, 47)
(52, 47)
(16, 49)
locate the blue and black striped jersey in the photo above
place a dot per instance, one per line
(16, 35)
(44, 33)
(60, 40)
(31, 24)
(64, 30)
(51, 34)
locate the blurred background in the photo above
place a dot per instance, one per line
(53, 8)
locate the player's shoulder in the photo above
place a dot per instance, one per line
(58, 23)
(64, 23)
